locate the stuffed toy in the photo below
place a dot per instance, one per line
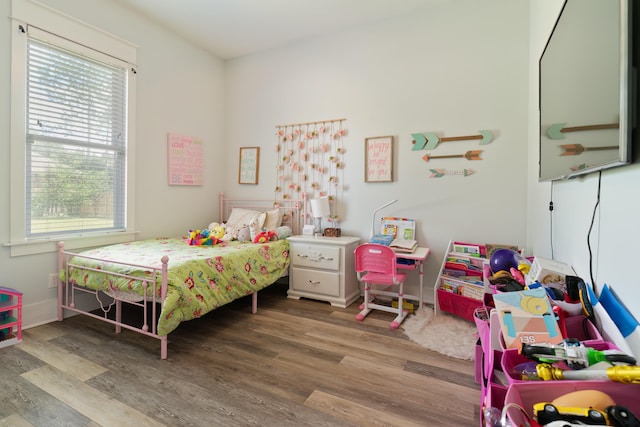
(244, 235)
(255, 229)
(265, 236)
(217, 232)
(220, 231)
(202, 238)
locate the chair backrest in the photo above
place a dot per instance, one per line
(375, 258)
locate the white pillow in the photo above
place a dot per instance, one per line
(240, 218)
(273, 220)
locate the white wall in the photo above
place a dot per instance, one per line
(180, 89)
(616, 227)
(453, 68)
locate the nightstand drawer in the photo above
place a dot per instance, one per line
(318, 282)
(315, 256)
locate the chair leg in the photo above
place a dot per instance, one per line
(402, 313)
(364, 307)
(368, 298)
(398, 320)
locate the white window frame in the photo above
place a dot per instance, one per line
(27, 14)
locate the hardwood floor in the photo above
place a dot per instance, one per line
(294, 363)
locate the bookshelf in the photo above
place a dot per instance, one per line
(461, 294)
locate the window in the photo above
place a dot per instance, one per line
(71, 135)
(75, 145)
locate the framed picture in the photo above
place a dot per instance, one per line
(185, 156)
(249, 166)
(378, 159)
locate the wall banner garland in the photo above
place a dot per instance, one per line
(311, 161)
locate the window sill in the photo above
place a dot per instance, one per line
(70, 243)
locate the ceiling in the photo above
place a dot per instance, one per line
(234, 28)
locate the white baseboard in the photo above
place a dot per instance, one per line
(46, 311)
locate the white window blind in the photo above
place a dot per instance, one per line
(75, 142)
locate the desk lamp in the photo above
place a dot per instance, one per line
(373, 219)
(319, 208)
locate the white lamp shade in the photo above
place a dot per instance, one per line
(320, 207)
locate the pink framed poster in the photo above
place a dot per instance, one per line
(185, 157)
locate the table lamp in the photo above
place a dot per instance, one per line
(319, 208)
(373, 219)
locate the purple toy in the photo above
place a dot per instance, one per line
(504, 259)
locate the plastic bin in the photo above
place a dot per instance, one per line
(526, 394)
(580, 328)
(511, 359)
(458, 305)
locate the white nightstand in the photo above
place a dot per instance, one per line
(322, 269)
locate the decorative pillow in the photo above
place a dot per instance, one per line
(240, 218)
(273, 220)
(283, 232)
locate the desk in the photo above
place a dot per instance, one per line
(419, 256)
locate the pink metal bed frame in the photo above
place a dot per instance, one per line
(293, 216)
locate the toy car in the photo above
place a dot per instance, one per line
(546, 412)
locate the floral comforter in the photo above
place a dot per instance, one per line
(200, 278)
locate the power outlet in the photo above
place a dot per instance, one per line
(53, 280)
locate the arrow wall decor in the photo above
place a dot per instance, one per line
(580, 167)
(429, 140)
(577, 149)
(469, 155)
(557, 131)
(439, 173)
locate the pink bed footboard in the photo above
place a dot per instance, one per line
(67, 293)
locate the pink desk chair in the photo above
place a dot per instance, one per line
(376, 266)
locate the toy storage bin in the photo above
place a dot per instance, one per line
(493, 387)
(10, 316)
(494, 396)
(580, 328)
(511, 358)
(483, 344)
(458, 305)
(477, 361)
(526, 394)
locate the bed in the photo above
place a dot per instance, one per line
(172, 281)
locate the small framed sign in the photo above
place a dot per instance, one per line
(378, 159)
(249, 165)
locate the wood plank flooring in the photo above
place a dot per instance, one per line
(294, 363)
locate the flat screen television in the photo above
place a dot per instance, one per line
(588, 89)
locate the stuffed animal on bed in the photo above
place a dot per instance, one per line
(201, 238)
(217, 230)
(265, 236)
(244, 234)
(220, 231)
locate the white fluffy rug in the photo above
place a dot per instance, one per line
(445, 334)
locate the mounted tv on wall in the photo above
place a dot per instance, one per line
(588, 89)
